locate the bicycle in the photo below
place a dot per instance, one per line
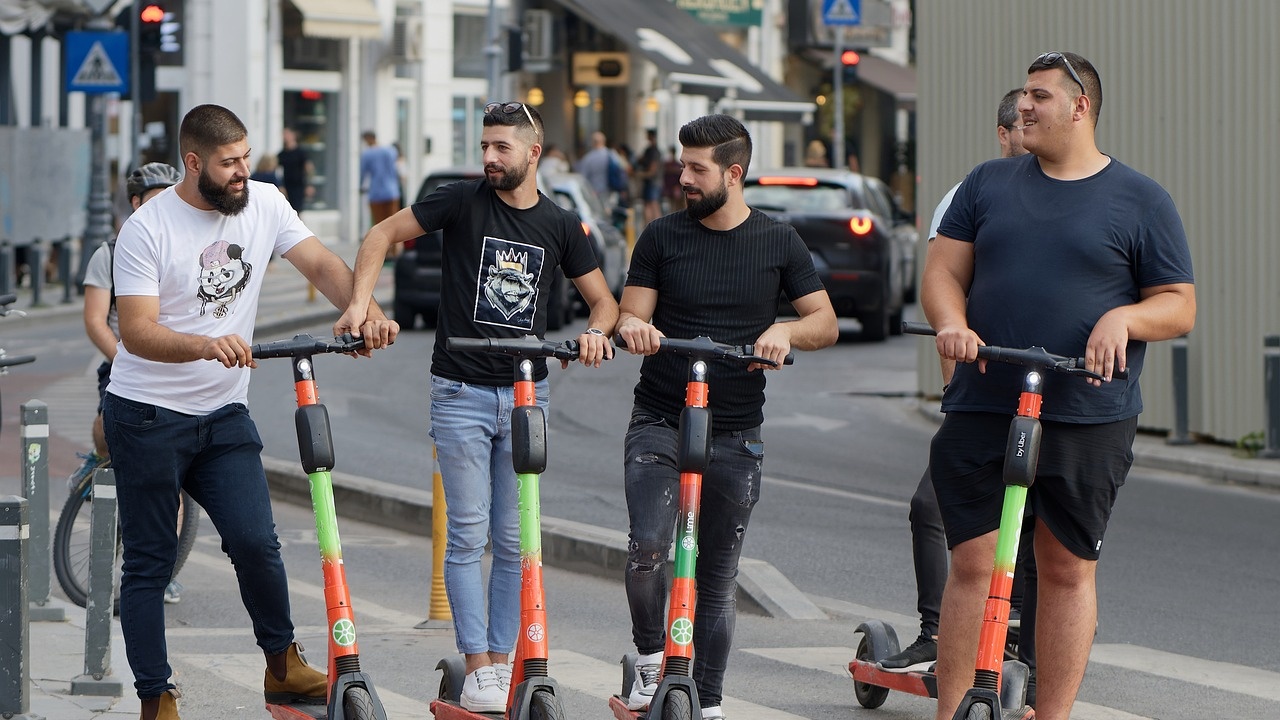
(6, 361)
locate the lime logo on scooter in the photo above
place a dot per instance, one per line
(682, 631)
(344, 632)
(535, 632)
(687, 543)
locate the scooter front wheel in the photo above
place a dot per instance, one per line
(357, 704)
(978, 711)
(676, 705)
(543, 705)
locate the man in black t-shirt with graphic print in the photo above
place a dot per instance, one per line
(717, 270)
(503, 243)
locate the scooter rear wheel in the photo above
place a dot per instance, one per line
(676, 705)
(544, 706)
(357, 704)
(869, 696)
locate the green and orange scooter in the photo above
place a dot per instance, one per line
(351, 692)
(534, 694)
(676, 697)
(999, 685)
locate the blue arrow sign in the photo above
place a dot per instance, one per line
(842, 12)
(97, 62)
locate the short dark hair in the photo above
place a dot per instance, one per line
(1007, 113)
(725, 134)
(1089, 80)
(206, 128)
(517, 119)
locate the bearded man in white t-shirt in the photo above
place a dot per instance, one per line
(188, 272)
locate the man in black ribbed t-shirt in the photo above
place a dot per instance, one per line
(715, 269)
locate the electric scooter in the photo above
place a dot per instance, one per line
(534, 694)
(351, 692)
(676, 697)
(999, 685)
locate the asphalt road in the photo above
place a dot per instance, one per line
(1188, 581)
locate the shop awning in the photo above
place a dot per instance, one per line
(339, 18)
(694, 59)
(892, 78)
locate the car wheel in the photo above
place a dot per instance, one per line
(556, 306)
(404, 315)
(875, 325)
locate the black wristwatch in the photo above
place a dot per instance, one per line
(595, 331)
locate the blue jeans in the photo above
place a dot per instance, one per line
(471, 426)
(730, 489)
(217, 459)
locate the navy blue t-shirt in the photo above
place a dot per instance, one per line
(1050, 258)
(497, 267)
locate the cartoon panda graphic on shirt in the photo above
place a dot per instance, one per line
(223, 275)
(507, 287)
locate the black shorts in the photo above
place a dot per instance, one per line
(1080, 472)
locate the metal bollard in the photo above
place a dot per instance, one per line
(1180, 435)
(35, 258)
(97, 678)
(15, 637)
(64, 267)
(1271, 362)
(35, 487)
(438, 613)
(7, 266)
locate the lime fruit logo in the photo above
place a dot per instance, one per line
(344, 633)
(682, 631)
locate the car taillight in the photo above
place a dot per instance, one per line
(861, 226)
(783, 180)
(586, 229)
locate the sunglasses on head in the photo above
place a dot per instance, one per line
(509, 108)
(1051, 59)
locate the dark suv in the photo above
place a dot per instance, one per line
(417, 271)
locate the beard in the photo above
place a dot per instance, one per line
(506, 180)
(709, 203)
(221, 197)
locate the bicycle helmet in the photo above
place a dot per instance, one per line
(151, 176)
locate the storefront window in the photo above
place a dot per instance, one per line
(466, 130)
(312, 114)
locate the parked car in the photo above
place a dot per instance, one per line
(418, 269)
(846, 220)
(574, 193)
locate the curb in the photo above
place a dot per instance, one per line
(566, 544)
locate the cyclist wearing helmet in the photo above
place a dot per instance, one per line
(100, 320)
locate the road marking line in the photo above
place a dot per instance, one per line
(1234, 678)
(860, 497)
(835, 660)
(245, 670)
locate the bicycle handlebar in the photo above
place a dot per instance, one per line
(527, 347)
(704, 348)
(1032, 357)
(7, 300)
(7, 361)
(303, 345)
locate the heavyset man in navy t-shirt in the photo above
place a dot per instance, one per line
(1068, 249)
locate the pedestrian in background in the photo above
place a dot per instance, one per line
(649, 170)
(503, 244)
(716, 270)
(295, 171)
(380, 180)
(1080, 255)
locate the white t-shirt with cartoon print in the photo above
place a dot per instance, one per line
(207, 270)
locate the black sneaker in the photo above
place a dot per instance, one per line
(919, 656)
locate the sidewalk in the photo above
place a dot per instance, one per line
(58, 648)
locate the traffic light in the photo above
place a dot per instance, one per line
(849, 60)
(150, 23)
(515, 49)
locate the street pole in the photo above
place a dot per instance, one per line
(135, 83)
(493, 53)
(99, 224)
(837, 84)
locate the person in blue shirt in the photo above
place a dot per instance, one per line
(379, 178)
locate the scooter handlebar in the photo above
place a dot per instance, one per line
(1032, 357)
(9, 361)
(704, 348)
(527, 347)
(303, 345)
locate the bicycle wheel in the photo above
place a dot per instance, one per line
(71, 546)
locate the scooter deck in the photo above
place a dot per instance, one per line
(924, 684)
(298, 712)
(448, 710)
(620, 711)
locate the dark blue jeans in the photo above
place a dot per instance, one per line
(217, 459)
(730, 489)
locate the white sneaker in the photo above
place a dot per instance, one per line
(712, 713)
(482, 691)
(648, 671)
(504, 676)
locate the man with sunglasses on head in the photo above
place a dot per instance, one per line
(503, 243)
(1068, 249)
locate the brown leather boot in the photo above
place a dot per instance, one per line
(164, 707)
(301, 684)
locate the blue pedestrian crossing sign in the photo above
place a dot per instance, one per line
(842, 12)
(97, 62)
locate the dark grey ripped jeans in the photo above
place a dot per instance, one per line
(730, 489)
